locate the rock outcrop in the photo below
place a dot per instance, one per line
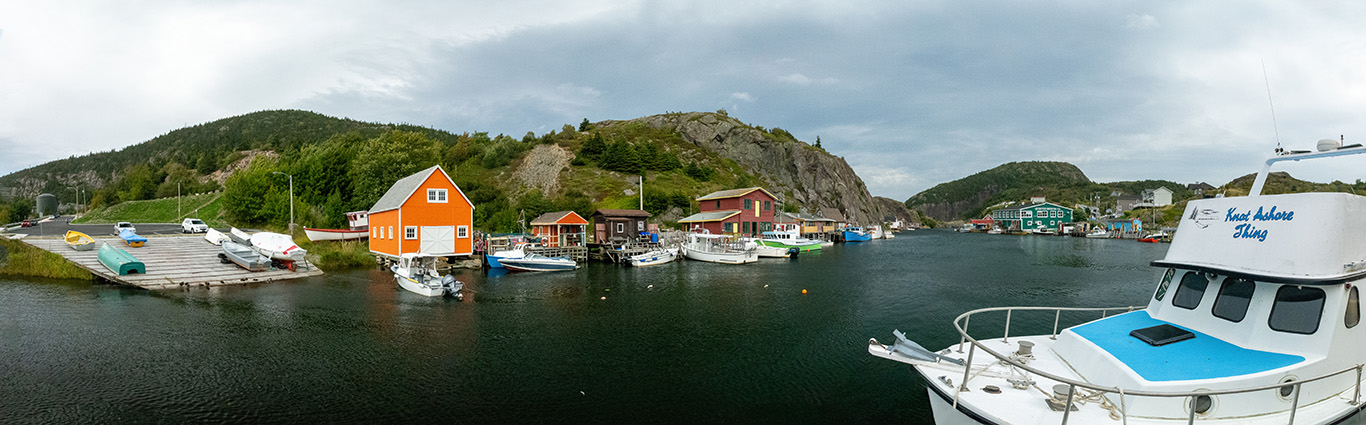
(896, 210)
(804, 174)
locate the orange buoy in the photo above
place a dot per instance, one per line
(803, 291)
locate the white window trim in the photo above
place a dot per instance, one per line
(621, 227)
(462, 232)
(406, 229)
(436, 196)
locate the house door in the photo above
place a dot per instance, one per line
(437, 240)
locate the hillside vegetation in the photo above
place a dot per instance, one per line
(1059, 182)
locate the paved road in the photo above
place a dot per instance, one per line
(59, 226)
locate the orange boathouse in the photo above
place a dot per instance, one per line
(560, 229)
(422, 213)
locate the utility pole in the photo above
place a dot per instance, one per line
(291, 199)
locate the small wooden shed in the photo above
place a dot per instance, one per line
(560, 229)
(422, 213)
(619, 225)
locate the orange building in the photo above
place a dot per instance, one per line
(424, 213)
(560, 229)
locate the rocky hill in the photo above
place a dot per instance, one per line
(896, 210)
(967, 197)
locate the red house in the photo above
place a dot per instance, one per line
(560, 229)
(747, 211)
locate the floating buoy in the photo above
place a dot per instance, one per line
(604, 298)
(765, 286)
(803, 291)
(650, 287)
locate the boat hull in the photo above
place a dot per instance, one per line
(316, 235)
(813, 246)
(277, 246)
(245, 257)
(722, 258)
(530, 265)
(856, 237)
(79, 241)
(120, 261)
(419, 288)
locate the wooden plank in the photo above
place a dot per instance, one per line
(172, 262)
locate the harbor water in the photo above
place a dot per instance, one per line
(781, 341)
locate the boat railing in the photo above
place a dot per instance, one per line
(962, 321)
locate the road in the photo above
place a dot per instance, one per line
(59, 226)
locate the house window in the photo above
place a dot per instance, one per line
(749, 204)
(391, 232)
(768, 205)
(374, 233)
(730, 228)
(410, 232)
(718, 205)
(462, 232)
(621, 227)
(640, 225)
(436, 196)
(744, 226)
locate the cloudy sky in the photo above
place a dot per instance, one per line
(911, 93)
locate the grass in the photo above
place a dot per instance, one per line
(21, 259)
(337, 255)
(207, 207)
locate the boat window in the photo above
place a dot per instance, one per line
(1234, 297)
(1191, 290)
(1353, 315)
(1166, 281)
(1297, 309)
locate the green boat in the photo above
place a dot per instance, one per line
(120, 261)
(787, 235)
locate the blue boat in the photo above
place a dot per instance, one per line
(132, 239)
(856, 234)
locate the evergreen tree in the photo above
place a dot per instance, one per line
(818, 142)
(593, 148)
(585, 125)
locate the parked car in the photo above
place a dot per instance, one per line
(26, 223)
(124, 225)
(193, 225)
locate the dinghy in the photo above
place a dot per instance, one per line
(119, 261)
(132, 239)
(79, 241)
(653, 258)
(244, 256)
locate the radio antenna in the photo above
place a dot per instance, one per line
(1273, 108)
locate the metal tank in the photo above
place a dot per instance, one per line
(47, 204)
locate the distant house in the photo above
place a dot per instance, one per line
(1046, 215)
(1153, 198)
(1200, 188)
(984, 223)
(422, 213)
(1037, 199)
(836, 216)
(1126, 203)
(1124, 224)
(619, 225)
(560, 229)
(747, 211)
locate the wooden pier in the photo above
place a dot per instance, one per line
(172, 262)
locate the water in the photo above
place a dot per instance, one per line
(686, 342)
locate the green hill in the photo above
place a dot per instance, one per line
(1059, 182)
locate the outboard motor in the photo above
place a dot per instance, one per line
(453, 287)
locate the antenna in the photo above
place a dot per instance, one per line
(1273, 108)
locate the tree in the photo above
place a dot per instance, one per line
(593, 148)
(818, 142)
(585, 125)
(385, 159)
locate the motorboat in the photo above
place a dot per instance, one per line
(316, 235)
(1155, 237)
(718, 249)
(788, 235)
(856, 234)
(494, 259)
(1255, 319)
(875, 232)
(653, 257)
(1098, 233)
(79, 241)
(498, 247)
(243, 256)
(995, 231)
(539, 263)
(417, 273)
(215, 237)
(277, 246)
(766, 251)
(1044, 232)
(132, 239)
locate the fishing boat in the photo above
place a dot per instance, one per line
(788, 235)
(119, 261)
(79, 241)
(316, 235)
(856, 234)
(718, 249)
(215, 237)
(1098, 233)
(1155, 237)
(243, 256)
(1255, 319)
(132, 239)
(874, 232)
(277, 246)
(653, 257)
(766, 251)
(417, 273)
(539, 263)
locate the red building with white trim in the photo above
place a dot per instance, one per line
(747, 211)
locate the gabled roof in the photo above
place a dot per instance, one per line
(1028, 206)
(552, 218)
(709, 216)
(833, 214)
(405, 187)
(623, 213)
(733, 193)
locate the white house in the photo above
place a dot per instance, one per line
(1159, 197)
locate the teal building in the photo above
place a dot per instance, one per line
(1042, 215)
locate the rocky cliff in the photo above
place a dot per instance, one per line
(801, 173)
(896, 210)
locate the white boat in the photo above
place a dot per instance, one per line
(1098, 232)
(766, 251)
(717, 249)
(335, 234)
(277, 246)
(995, 231)
(215, 237)
(1256, 319)
(417, 274)
(539, 263)
(237, 235)
(653, 258)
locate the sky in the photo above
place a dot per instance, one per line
(910, 93)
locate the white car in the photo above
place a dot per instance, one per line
(124, 225)
(193, 225)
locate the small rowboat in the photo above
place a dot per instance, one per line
(79, 241)
(132, 239)
(335, 234)
(244, 256)
(120, 261)
(277, 246)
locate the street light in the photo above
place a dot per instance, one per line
(291, 199)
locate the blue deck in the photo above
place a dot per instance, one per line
(1202, 357)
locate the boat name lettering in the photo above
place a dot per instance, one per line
(1259, 215)
(1248, 231)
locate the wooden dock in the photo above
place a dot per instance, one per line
(172, 262)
